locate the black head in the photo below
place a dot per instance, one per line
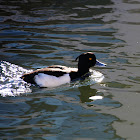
(86, 60)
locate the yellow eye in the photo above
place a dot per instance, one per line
(90, 58)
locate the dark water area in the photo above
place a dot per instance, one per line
(36, 34)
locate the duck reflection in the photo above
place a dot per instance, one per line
(86, 92)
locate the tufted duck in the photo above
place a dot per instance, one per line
(57, 75)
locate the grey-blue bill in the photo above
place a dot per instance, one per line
(100, 64)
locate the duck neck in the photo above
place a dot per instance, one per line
(82, 70)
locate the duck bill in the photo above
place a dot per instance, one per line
(100, 64)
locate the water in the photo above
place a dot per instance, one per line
(36, 34)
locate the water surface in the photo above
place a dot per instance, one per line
(36, 34)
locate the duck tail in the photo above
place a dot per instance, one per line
(29, 78)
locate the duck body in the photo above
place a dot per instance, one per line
(57, 75)
(52, 76)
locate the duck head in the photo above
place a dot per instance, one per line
(87, 60)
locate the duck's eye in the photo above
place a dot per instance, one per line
(90, 58)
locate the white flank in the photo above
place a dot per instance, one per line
(45, 80)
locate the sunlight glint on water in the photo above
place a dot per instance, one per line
(12, 84)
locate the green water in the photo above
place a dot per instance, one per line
(36, 34)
